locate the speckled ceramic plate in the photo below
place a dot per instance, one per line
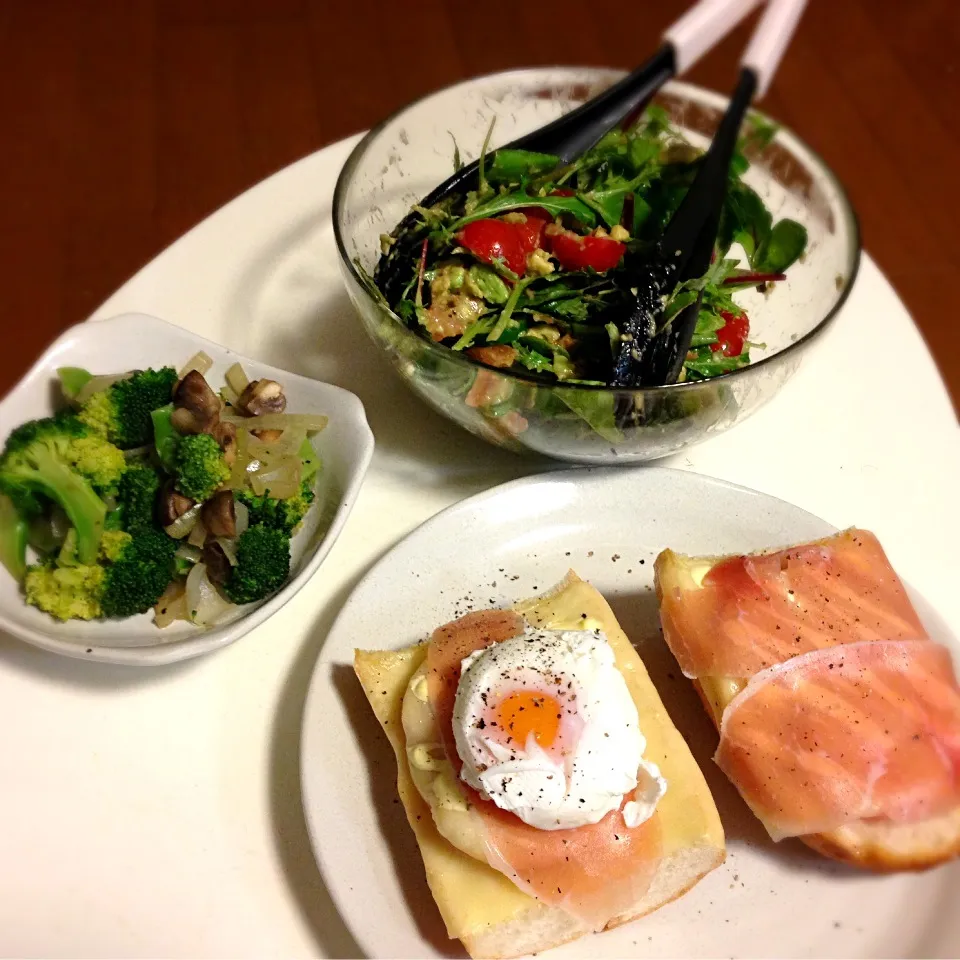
(768, 900)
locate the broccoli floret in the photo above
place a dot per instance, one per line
(83, 449)
(121, 413)
(100, 462)
(112, 544)
(284, 515)
(42, 457)
(66, 593)
(137, 497)
(199, 466)
(138, 574)
(129, 578)
(13, 538)
(263, 565)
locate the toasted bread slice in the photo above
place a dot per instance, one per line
(874, 845)
(480, 906)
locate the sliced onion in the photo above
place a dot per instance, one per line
(198, 535)
(137, 453)
(204, 603)
(288, 444)
(237, 379)
(229, 548)
(242, 515)
(96, 384)
(184, 524)
(238, 473)
(187, 551)
(282, 482)
(172, 606)
(201, 362)
(228, 396)
(310, 422)
(59, 523)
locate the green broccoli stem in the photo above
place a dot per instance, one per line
(85, 510)
(13, 539)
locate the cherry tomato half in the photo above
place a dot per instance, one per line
(732, 335)
(491, 240)
(530, 234)
(578, 253)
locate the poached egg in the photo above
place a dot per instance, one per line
(546, 728)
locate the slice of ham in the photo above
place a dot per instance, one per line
(595, 872)
(867, 730)
(752, 612)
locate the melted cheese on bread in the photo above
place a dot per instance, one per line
(471, 895)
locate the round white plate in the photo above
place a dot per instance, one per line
(767, 900)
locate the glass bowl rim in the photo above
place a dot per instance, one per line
(708, 96)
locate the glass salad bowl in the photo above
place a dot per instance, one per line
(408, 154)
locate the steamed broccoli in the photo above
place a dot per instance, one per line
(80, 447)
(100, 462)
(67, 593)
(284, 515)
(199, 466)
(44, 457)
(121, 413)
(137, 497)
(263, 565)
(13, 538)
(131, 574)
(138, 575)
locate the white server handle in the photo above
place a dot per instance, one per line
(702, 27)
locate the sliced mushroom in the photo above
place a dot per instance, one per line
(262, 396)
(268, 436)
(196, 406)
(218, 566)
(226, 435)
(171, 504)
(219, 515)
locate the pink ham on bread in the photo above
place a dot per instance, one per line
(862, 731)
(594, 872)
(752, 612)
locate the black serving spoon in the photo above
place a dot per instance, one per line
(684, 42)
(648, 354)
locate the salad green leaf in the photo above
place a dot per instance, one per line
(512, 166)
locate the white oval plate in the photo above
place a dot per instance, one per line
(767, 900)
(135, 341)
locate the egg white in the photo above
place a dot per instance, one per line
(596, 759)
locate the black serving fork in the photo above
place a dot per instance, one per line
(684, 42)
(650, 354)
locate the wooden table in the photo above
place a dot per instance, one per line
(127, 121)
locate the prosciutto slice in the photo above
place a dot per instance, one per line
(595, 872)
(867, 730)
(752, 612)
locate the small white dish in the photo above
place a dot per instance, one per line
(767, 900)
(137, 341)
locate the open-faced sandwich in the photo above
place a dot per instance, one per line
(550, 794)
(839, 718)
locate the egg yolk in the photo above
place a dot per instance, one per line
(529, 711)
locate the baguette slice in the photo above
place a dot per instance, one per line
(874, 845)
(479, 905)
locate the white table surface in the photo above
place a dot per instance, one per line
(157, 812)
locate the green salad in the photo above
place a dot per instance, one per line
(148, 490)
(531, 272)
